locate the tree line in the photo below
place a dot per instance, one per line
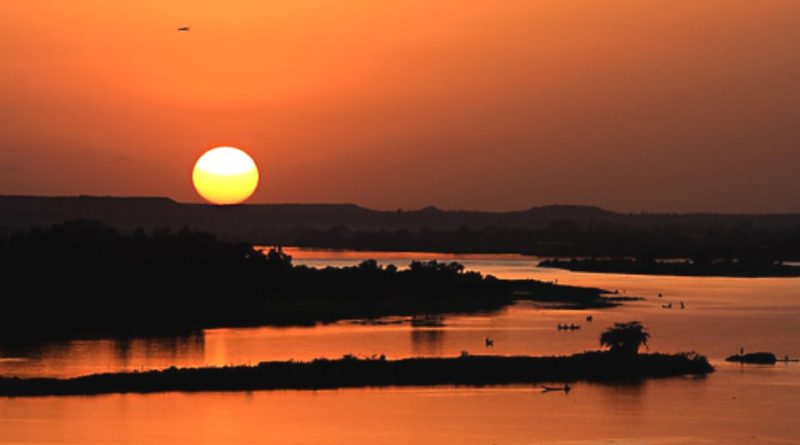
(86, 276)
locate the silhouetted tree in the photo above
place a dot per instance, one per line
(625, 338)
(369, 266)
(276, 256)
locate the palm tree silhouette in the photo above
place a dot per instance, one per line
(625, 339)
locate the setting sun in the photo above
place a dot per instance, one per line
(225, 175)
(399, 222)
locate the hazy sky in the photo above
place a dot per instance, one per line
(631, 105)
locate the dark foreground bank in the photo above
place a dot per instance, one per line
(350, 372)
(84, 278)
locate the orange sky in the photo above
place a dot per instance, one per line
(631, 105)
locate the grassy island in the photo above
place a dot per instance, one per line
(351, 372)
(761, 358)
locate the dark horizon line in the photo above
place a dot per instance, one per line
(428, 208)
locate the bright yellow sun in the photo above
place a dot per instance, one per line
(225, 175)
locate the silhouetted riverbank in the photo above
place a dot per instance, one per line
(350, 372)
(85, 279)
(745, 269)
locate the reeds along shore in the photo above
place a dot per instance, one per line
(349, 372)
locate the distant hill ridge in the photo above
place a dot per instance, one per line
(261, 222)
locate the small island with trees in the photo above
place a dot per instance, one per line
(621, 362)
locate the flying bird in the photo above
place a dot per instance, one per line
(184, 29)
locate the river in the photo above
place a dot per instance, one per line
(736, 404)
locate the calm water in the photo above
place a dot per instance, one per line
(751, 404)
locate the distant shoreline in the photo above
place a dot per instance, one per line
(548, 231)
(351, 372)
(682, 269)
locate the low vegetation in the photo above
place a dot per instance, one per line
(351, 372)
(621, 363)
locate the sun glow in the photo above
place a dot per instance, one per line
(225, 175)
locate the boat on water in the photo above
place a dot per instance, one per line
(565, 388)
(568, 327)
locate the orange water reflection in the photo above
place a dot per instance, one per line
(733, 408)
(721, 315)
(735, 405)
